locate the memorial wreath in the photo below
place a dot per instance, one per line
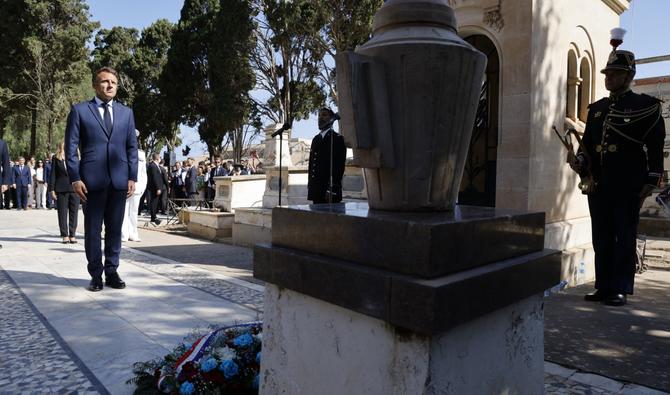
(224, 360)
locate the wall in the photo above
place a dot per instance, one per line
(533, 39)
(560, 26)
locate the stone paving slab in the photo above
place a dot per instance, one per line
(34, 358)
(629, 343)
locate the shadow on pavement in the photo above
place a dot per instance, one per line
(629, 343)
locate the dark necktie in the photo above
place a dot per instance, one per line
(107, 118)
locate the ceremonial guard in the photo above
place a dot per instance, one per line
(327, 155)
(622, 157)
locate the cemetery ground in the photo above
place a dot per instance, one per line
(56, 337)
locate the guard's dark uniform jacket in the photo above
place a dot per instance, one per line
(319, 167)
(624, 141)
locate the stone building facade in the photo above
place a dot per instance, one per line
(544, 68)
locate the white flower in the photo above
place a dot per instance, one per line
(224, 353)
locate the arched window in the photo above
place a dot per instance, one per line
(573, 86)
(584, 89)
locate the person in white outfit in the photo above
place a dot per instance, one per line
(129, 228)
(40, 186)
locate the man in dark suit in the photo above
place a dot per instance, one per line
(47, 177)
(217, 171)
(5, 170)
(624, 140)
(105, 175)
(190, 185)
(327, 155)
(22, 182)
(154, 186)
(10, 193)
(178, 181)
(162, 206)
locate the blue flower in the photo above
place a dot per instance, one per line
(256, 382)
(229, 368)
(208, 365)
(258, 357)
(186, 388)
(244, 340)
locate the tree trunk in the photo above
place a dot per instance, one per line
(33, 132)
(50, 129)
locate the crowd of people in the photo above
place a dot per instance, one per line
(28, 185)
(31, 185)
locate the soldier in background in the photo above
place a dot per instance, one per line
(327, 155)
(624, 152)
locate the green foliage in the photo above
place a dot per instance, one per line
(50, 43)
(208, 77)
(115, 48)
(297, 44)
(139, 60)
(286, 58)
(348, 24)
(146, 66)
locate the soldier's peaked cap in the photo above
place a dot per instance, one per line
(620, 60)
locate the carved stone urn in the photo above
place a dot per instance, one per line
(408, 99)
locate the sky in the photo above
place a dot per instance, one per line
(646, 22)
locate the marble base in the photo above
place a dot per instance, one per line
(294, 186)
(313, 347)
(252, 226)
(210, 225)
(239, 191)
(404, 303)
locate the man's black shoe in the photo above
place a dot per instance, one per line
(615, 300)
(114, 281)
(597, 296)
(95, 285)
(156, 221)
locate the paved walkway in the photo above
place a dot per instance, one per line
(56, 337)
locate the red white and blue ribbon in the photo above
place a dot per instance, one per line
(198, 348)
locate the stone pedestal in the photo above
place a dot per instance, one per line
(210, 225)
(239, 191)
(252, 226)
(271, 155)
(294, 186)
(403, 303)
(314, 347)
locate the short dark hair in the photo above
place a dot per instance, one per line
(105, 69)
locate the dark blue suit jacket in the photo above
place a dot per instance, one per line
(22, 178)
(5, 169)
(107, 156)
(190, 181)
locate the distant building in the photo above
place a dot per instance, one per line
(659, 87)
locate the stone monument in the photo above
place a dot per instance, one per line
(294, 179)
(411, 294)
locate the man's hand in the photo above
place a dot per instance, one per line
(158, 192)
(53, 195)
(13, 186)
(80, 190)
(3, 188)
(131, 188)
